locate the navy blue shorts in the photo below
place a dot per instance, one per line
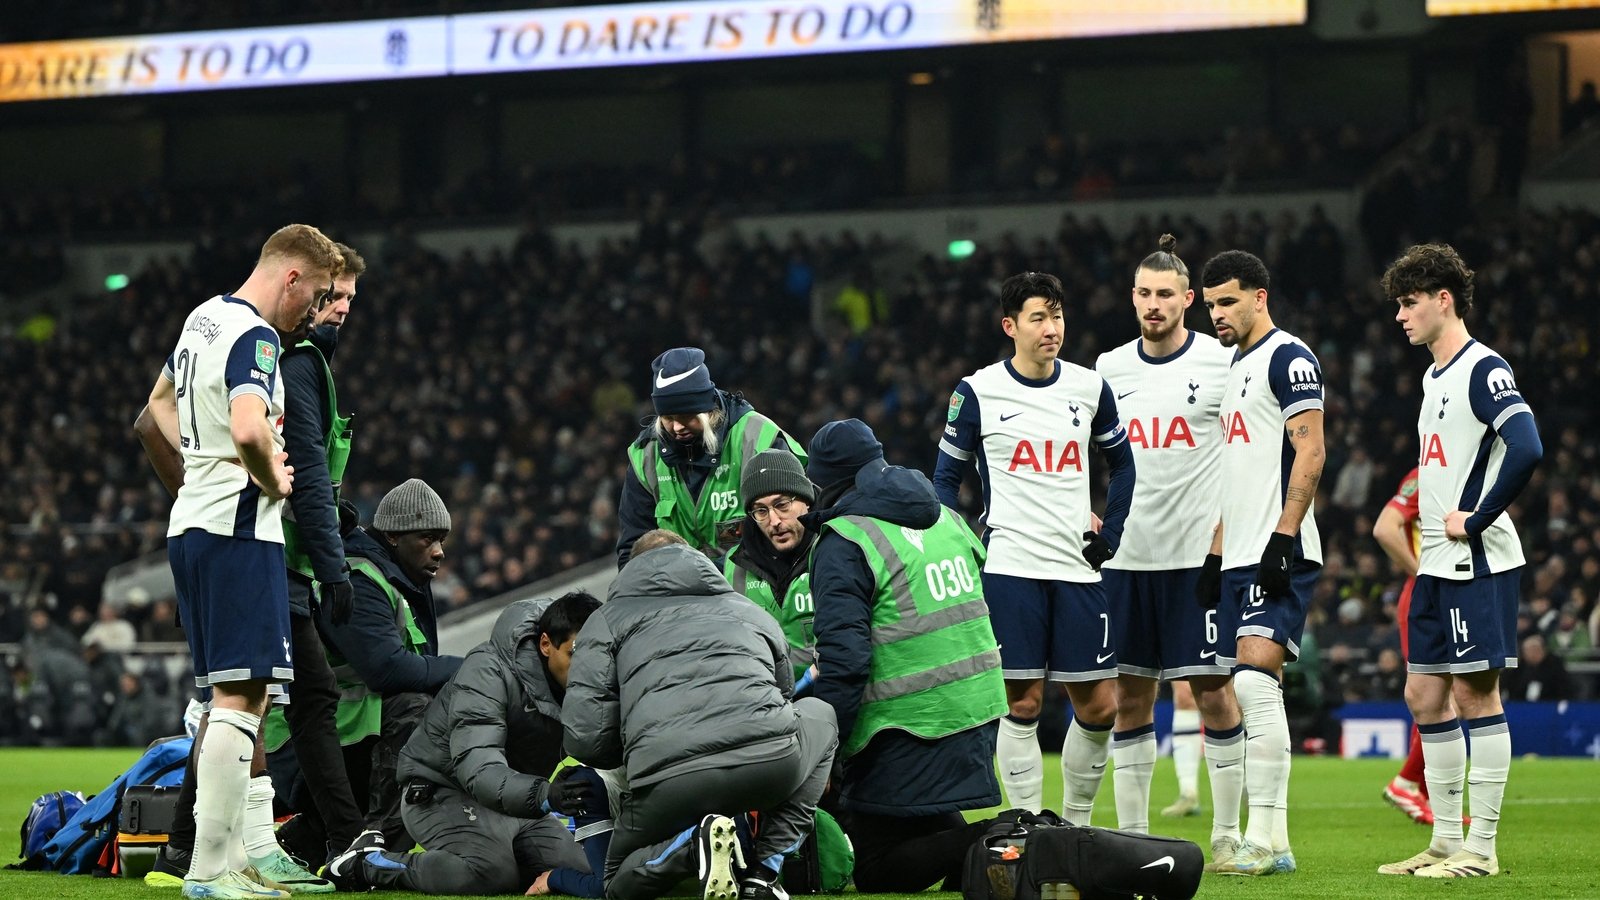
(233, 594)
(1159, 629)
(1060, 630)
(1246, 612)
(1464, 626)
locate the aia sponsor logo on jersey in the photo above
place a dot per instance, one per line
(1148, 435)
(1433, 451)
(1233, 428)
(1048, 456)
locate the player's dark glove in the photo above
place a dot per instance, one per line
(338, 598)
(1208, 589)
(1272, 576)
(1096, 549)
(571, 794)
(349, 517)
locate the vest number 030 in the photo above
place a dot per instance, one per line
(950, 578)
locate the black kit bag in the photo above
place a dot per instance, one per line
(1105, 864)
(994, 862)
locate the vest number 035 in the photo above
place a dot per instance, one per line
(950, 578)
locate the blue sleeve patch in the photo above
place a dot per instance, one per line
(1106, 428)
(1494, 394)
(253, 361)
(1296, 379)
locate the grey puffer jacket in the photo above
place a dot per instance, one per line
(677, 673)
(494, 730)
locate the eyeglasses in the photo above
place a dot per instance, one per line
(763, 513)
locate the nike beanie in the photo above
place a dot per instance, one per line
(774, 471)
(681, 383)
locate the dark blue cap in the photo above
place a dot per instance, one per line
(839, 450)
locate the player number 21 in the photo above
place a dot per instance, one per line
(184, 368)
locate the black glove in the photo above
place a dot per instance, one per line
(338, 598)
(570, 794)
(1096, 549)
(349, 517)
(1208, 589)
(1272, 576)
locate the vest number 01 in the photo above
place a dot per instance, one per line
(950, 578)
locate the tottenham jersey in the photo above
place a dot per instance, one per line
(1272, 382)
(1030, 440)
(1463, 406)
(226, 350)
(1170, 407)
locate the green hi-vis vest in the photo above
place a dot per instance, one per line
(360, 711)
(712, 525)
(935, 664)
(338, 449)
(794, 615)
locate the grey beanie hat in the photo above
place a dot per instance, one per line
(774, 471)
(413, 506)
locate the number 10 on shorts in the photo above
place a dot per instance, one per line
(1458, 626)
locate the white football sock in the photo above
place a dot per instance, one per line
(260, 840)
(222, 777)
(1444, 758)
(1186, 750)
(1225, 766)
(1266, 750)
(1021, 763)
(1486, 781)
(1083, 764)
(1134, 753)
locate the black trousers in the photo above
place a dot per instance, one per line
(315, 696)
(370, 765)
(907, 855)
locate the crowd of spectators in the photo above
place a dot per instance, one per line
(513, 381)
(1084, 168)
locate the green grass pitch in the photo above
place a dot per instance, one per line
(1342, 830)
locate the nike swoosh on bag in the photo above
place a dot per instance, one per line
(1167, 861)
(668, 382)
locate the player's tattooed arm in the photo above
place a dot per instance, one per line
(1305, 436)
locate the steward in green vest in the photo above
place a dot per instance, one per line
(684, 467)
(385, 657)
(907, 659)
(317, 440)
(769, 564)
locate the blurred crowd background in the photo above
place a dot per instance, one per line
(512, 380)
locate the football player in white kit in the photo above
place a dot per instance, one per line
(1480, 446)
(1266, 555)
(1169, 383)
(1027, 424)
(218, 400)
